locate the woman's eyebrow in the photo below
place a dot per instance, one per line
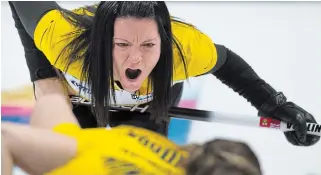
(148, 40)
(122, 39)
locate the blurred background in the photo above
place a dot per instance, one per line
(280, 40)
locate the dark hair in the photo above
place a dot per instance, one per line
(222, 157)
(93, 46)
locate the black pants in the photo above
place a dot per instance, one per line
(87, 119)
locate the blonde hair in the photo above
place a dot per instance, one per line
(220, 157)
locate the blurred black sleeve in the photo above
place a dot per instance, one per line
(38, 65)
(238, 75)
(30, 12)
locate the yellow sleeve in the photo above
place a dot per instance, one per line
(85, 137)
(198, 48)
(53, 33)
(69, 129)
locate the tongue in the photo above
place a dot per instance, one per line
(132, 73)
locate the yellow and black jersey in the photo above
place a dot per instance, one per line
(121, 150)
(53, 32)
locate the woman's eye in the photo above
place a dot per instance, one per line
(149, 45)
(122, 44)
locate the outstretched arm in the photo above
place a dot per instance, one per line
(237, 74)
(233, 71)
(37, 149)
(52, 110)
(34, 150)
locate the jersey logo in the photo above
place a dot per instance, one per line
(137, 107)
(172, 156)
(81, 87)
(122, 97)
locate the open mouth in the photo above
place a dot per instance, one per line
(132, 73)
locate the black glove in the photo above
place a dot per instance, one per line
(278, 108)
(239, 76)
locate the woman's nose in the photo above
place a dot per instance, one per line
(135, 56)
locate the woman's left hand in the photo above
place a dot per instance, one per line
(292, 113)
(280, 109)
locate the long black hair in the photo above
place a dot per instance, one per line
(221, 156)
(93, 45)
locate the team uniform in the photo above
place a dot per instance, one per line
(133, 151)
(51, 33)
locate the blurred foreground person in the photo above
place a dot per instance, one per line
(61, 146)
